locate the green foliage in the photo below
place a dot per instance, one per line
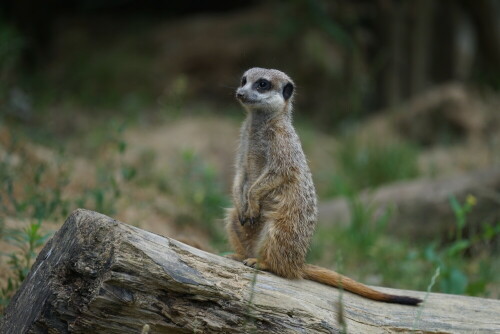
(367, 247)
(112, 173)
(461, 212)
(36, 199)
(365, 226)
(40, 192)
(201, 195)
(359, 237)
(452, 259)
(27, 241)
(36, 193)
(370, 165)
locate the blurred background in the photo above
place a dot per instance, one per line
(127, 108)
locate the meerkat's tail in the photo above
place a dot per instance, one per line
(329, 277)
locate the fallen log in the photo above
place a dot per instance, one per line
(97, 275)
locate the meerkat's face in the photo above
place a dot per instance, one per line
(265, 89)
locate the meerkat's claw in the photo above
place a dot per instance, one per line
(254, 220)
(242, 220)
(251, 262)
(254, 263)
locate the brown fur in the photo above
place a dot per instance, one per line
(275, 209)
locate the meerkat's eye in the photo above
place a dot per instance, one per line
(243, 81)
(263, 84)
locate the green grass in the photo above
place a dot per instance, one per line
(452, 258)
(200, 195)
(27, 242)
(34, 195)
(31, 203)
(38, 192)
(372, 255)
(368, 165)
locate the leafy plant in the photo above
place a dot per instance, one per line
(464, 262)
(26, 241)
(461, 212)
(452, 258)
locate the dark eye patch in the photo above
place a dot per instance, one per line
(243, 81)
(262, 85)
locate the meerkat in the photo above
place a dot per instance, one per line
(275, 205)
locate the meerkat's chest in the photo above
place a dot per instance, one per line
(256, 153)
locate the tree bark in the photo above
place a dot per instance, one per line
(97, 275)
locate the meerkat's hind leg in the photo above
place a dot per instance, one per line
(233, 229)
(255, 263)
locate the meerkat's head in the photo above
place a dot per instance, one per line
(265, 90)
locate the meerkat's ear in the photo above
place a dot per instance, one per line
(288, 91)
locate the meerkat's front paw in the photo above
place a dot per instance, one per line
(252, 213)
(239, 215)
(242, 213)
(252, 220)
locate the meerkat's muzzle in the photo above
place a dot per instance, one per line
(241, 94)
(244, 97)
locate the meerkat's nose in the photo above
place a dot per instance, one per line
(240, 95)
